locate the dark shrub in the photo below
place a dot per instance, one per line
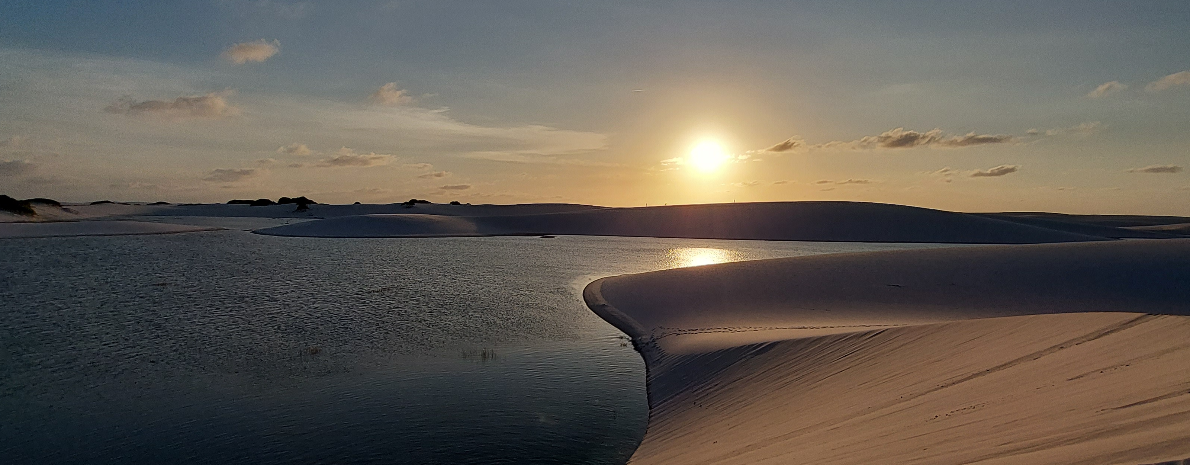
(261, 203)
(20, 207)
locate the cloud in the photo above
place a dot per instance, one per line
(1173, 80)
(1082, 129)
(1157, 169)
(792, 143)
(266, 161)
(294, 149)
(15, 167)
(780, 182)
(900, 138)
(534, 158)
(1106, 89)
(844, 182)
(348, 157)
(390, 95)
(255, 51)
(12, 142)
(436, 174)
(419, 166)
(455, 187)
(232, 175)
(210, 106)
(746, 184)
(972, 138)
(996, 171)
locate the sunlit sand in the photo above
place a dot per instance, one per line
(1072, 353)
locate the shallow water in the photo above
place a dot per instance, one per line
(231, 347)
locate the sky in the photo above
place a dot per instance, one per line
(1067, 106)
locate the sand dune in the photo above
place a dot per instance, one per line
(75, 212)
(1064, 353)
(91, 228)
(808, 221)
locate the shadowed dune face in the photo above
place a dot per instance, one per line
(412, 225)
(804, 221)
(1055, 353)
(910, 287)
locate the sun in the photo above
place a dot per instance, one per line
(707, 156)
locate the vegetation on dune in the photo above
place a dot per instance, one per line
(25, 207)
(19, 207)
(302, 202)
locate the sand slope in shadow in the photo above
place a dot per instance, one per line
(806, 221)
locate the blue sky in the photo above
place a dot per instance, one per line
(601, 102)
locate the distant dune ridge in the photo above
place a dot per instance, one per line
(1055, 353)
(806, 221)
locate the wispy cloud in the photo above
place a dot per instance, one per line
(900, 138)
(210, 106)
(255, 51)
(348, 157)
(746, 184)
(972, 138)
(1082, 129)
(455, 187)
(844, 182)
(232, 175)
(390, 95)
(1157, 169)
(12, 142)
(1106, 89)
(15, 167)
(792, 143)
(534, 158)
(1173, 80)
(997, 171)
(295, 149)
(435, 174)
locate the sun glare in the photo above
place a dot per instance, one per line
(707, 156)
(698, 256)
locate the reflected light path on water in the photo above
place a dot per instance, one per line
(686, 257)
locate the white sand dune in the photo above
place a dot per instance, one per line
(807, 221)
(1061, 353)
(91, 228)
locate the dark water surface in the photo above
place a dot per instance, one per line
(229, 347)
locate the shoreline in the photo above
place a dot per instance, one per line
(93, 228)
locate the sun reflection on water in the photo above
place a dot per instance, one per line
(698, 256)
